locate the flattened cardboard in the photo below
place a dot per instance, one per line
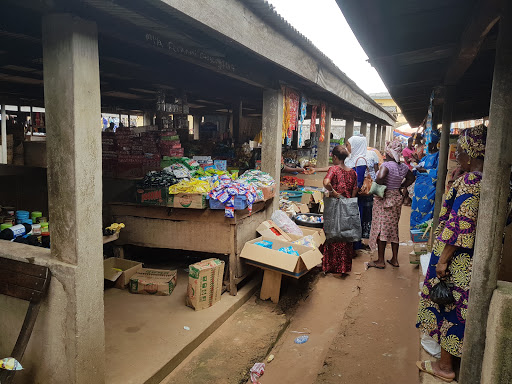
(188, 200)
(160, 282)
(274, 259)
(205, 283)
(121, 278)
(272, 231)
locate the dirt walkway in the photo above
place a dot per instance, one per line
(361, 331)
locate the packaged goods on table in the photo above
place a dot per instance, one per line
(190, 186)
(226, 190)
(261, 181)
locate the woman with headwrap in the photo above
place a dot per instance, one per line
(362, 163)
(452, 255)
(425, 185)
(387, 209)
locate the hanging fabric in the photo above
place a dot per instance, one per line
(429, 125)
(285, 114)
(303, 106)
(293, 110)
(322, 123)
(313, 119)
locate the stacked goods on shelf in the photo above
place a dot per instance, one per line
(170, 144)
(109, 153)
(130, 156)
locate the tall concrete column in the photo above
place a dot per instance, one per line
(4, 135)
(362, 130)
(378, 137)
(72, 103)
(272, 125)
(442, 169)
(349, 128)
(196, 122)
(322, 159)
(492, 211)
(371, 140)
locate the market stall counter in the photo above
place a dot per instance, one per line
(192, 230)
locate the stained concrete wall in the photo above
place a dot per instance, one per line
(48, 348)
(497, 364)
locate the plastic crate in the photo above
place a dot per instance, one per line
(240, 203)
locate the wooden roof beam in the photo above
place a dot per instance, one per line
(484, 17)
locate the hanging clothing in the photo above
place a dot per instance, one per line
(422, 209)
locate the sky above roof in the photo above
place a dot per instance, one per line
(322, 22)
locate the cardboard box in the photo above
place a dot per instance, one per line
(188, 200)
(317, 233)
(205, 283)
(152, 196)
(300, 208)
(119, 271)
(414, 258)
(270, 230)
(268, 192)
(287, 264)
(160, 282)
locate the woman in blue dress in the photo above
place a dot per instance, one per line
(422, 209)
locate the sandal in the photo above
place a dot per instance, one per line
(393, 265)
(428, 369)
(372, 265)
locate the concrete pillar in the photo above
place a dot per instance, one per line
(4, 135)
(72, 103)
(497, 364)
(362, 130)
(443, 152)
(378, 137)
(322, 158)
(371, 140)
(349, 128)
(493, 206)
(196, 123)
(148, 119)
(272, 125)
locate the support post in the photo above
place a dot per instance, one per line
(322, 158)
(371, 141)
(493, 206)
(378, 136)
(363, 128)
(442, 169)
(72, 103)
(349, 128)
(272, 125)
(4, 135)
(196, 122)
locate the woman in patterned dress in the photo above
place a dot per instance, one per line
(339, 181)
(387, 209)
(452, 257)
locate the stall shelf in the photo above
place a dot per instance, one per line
(191, 230)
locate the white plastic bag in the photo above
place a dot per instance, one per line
(431, 346)
(285, 223)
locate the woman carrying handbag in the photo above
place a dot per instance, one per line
(366, 169)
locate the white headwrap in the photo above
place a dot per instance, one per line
(358, 146)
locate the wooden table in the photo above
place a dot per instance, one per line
(192, 230)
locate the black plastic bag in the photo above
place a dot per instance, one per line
(341, 219)
(441, 293)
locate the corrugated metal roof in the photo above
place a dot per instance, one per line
(267, 12)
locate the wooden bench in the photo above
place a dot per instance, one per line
(26, 282)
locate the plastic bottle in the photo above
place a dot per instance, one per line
(15, 231)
